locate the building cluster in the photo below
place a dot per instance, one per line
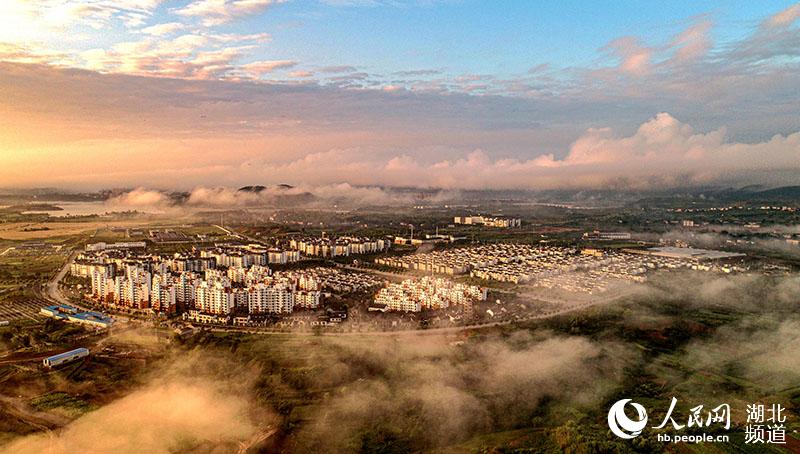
(790, 209)
(212, 283)
(342, 246)
(414, 295)
(606, 236)
(525, 263)
(428, 239)
(606, 269)
(237, 256)
(588, 270)
(332, 279)
(500, 222)
(120, 245)
(245, 256)
(459, 260)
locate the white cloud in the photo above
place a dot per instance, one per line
(662, 152)
(166, 28)
(197, 402)
(258, 69)
(301, 74)
(319, 195)
(692, 43)
(139, 198)
(216, 12)
(191, 56)
(634, 58)
(18, 15)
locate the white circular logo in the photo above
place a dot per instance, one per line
(621, 425)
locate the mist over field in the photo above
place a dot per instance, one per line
(701, 338)
(341, 195)
(190, 402)
(413, 392)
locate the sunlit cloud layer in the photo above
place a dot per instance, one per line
(152, 93)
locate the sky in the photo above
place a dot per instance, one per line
(456, 94)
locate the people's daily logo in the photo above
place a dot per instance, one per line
(621, 424)
(765, 423)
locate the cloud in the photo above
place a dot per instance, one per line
(783, 18)
(766, 348)
(139, 198)
(663, 152)
(19, 53)
(217, 12)
(197, 402)
(239, 38)
(32, 19)
(301, 74)
(692, 43)
(347, 3)
(189, 55)
(418, 72)
(755, 351)
(157, 419)
(166, 28)
(540, 68)
(464, 389)
(258, 69)
(711, 237)
(543, 140)
(343, 195)
(337, 69)
(634, 58)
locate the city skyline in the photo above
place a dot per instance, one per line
(454, 95)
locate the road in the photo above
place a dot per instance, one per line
(52, 290)
(431, 331)
(238, 235)
(386, 274)
(20, 409)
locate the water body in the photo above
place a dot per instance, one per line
(73, 209)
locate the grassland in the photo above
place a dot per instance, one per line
(26, 231)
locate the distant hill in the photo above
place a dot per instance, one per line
(259, 188)
(789, 195)
(279, 195)
(254, 189)
(783, 193)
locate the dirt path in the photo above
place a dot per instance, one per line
(18, 408)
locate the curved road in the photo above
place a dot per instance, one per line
(447, 330)
(52, 290)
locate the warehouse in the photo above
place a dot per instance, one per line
(73, 314)
(66, 357)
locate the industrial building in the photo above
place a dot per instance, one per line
(488, 221)
(66, 357)
(606, 236)
(73, 314)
